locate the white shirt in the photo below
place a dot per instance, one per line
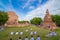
(26, 38)
(19, 39)
(32, 38)
(54, 34)
(50, 34)
(38, 38)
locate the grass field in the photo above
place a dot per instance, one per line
(5, 34)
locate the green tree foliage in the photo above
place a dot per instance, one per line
(3, 17)
(36, 21)
(23, 21)
(56, 19)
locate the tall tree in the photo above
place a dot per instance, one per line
(3, 17)
(36, 21)
(56, 19)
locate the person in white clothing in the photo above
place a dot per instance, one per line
(26, 38)
(38, 38)
(32, 38)
(54, 33)
(19, 38)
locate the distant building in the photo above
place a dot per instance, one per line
(48, 23)
(13, 18)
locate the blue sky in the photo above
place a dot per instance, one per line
(27, 9)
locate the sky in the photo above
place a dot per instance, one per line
(28, 9)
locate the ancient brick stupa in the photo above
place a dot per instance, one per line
(48, 23)
(13, 18)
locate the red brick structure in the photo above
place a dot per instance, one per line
(13, 18)
(13, 21)
(48, 23)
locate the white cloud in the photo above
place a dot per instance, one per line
(52, 5)
(8, 7)
(32, 7)
(26, 4)
(40, 11)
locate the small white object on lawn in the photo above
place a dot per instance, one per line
(26, 30)
(21, 33)
(11, 33)
(16, 33)
(35, 32)
(31, 33)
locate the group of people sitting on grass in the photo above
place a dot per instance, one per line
(52, 34)
(26, 38)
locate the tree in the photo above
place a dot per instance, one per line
(3, 18)
(23, 21)
(36, 21)
(56, 19)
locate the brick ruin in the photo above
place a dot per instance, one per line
(48, 23)
(13, 18)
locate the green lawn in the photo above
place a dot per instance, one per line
(5, 34)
